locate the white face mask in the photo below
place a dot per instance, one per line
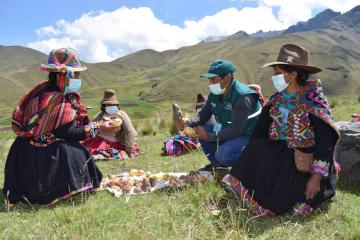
(111, 110)
(279, 82)
(216, 89)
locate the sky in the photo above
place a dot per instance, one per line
(104, 30)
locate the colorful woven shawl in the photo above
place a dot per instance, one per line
(179, 145)
(39, 113)
(298, 131)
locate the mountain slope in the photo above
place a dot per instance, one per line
(333, 40)
(15, 56)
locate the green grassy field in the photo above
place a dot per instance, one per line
(142, 111)
(178, 214)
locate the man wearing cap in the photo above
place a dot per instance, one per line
(235, 107)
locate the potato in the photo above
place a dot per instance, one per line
(189, 131)
(148, 174)
(133, 172)
(174, 181)
(177, 112)
(141, 173)
(116, 122)
(165, 177)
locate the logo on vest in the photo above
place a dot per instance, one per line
(228, 106)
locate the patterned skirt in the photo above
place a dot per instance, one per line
(268, 182)
(246, 199)
(102, 149)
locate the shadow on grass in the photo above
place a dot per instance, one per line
(168, 190)
(75, 200)
(233, 215)
(349, 188)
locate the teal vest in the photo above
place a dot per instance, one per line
(222, 106)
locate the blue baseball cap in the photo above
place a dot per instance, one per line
(219, 67)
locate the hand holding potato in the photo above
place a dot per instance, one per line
(108, 127)
(189, 131)
(201, 133)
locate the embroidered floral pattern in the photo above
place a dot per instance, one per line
(298, 131)
(321, 168)
(88, 187)
(242, 194)
(301, 209)
(234, 186)
(91, 130)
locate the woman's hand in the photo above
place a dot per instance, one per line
(107, 127)
(313, 186)
(201, 133)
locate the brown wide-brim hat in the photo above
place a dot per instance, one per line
(109, 97)
(295, 56)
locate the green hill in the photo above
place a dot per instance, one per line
(148, 78)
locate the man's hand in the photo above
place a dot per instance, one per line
(313, 186)
(181, 123)
(201, 133)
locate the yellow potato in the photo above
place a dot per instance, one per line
(133, 172)
(148, 174)
(189, 131)
(165, 176)
(141, 173)
(116, 122)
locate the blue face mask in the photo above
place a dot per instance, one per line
(111, 110)
(279, 82)
(74, 85)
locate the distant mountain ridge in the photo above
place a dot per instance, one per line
(333, 40)
(321, 20)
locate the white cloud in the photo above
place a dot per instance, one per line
(301, 10)
(232, 20)
(105, 36)
(48, 31)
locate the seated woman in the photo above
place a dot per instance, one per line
(288, 165)
(46, 162)
(119, 145)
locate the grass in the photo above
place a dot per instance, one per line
(345, 107)
(134, 107)
(178, 214)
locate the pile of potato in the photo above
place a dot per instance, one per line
(139, 181)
